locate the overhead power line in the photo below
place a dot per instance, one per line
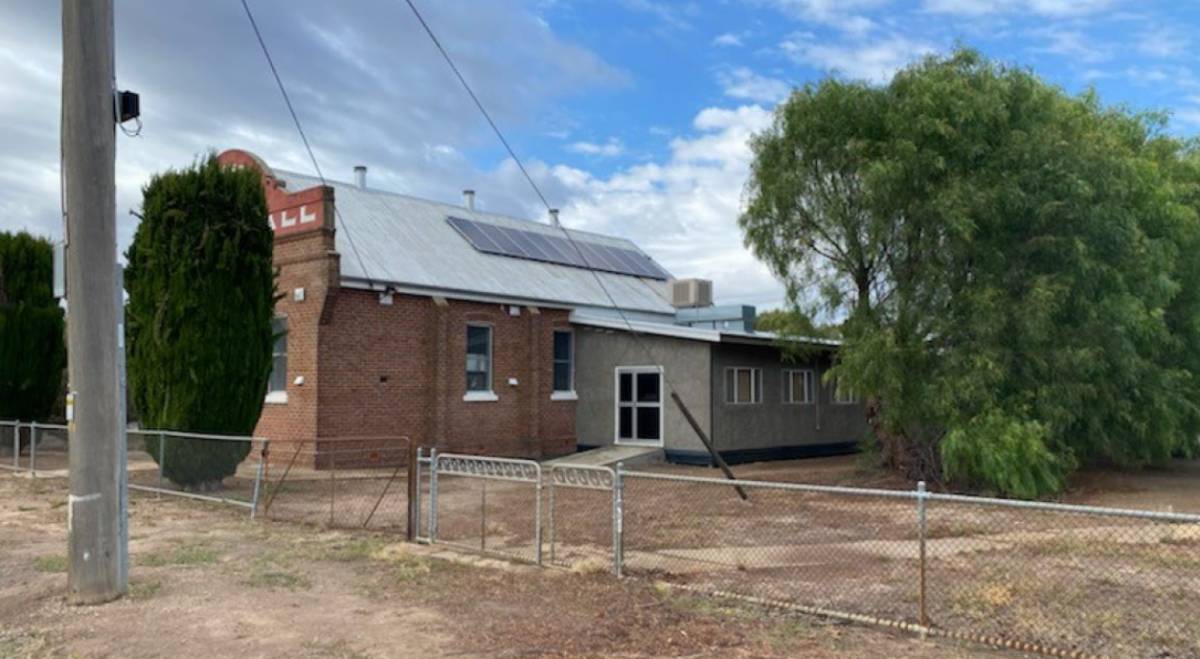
(478, 104)
(668, 384)
(304, 138)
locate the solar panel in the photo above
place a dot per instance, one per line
(537, 246)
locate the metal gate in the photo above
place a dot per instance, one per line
(485, 504)
(583, 517)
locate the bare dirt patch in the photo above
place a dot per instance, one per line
(206, 581)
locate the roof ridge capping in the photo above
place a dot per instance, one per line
(284, 175)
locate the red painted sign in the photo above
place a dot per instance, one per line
(288, 213)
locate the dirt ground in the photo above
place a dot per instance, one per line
(207, 581)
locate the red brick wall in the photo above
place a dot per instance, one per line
(372, 370)
(400, 370)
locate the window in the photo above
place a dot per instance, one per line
(743, 386)
(843, 394)
(798, 386)
(564, 358)
(479, 358)
(277, 382)
(639, 404)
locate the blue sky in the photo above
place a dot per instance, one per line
(632, 115)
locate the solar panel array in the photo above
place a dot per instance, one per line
(535, 246)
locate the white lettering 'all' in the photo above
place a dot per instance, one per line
(285, 221)
(305, 216)
(271, 221)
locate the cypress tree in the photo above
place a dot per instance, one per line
(201, 300)
(33, 352)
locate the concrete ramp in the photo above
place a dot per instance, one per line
(607, 456)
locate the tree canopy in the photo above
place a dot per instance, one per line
(1016, 267)
(33, 351)
(201, 301)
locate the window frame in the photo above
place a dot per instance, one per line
(488, 394)
(756, 385)
(836, 394)
(788, 390)
(569, 392)
(278, 396)
(634, 405)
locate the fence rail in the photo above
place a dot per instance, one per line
(41, 450)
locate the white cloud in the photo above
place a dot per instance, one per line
(611, 147)
(683, 210)
(1072, 44)
(840, 14)
(1052, 8)
(411, 123)
(727, 39)
(875, 60)
(742, 83)
(1163, 41)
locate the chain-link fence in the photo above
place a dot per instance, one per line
(149, 468)
(345, 482)
(33, 447)
(1060, 579)
(42, 451)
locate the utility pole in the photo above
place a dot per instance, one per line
(96, 532)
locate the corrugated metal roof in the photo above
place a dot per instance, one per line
(407, 242)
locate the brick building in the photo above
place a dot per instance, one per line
(469, 331)
(397, 326)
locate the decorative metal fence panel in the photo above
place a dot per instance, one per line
(580, 517)
(490, 505)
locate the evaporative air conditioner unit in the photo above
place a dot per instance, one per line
(691, 293)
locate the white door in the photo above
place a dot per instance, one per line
(639, 402)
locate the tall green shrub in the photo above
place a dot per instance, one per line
(201, 299)
(33, 351)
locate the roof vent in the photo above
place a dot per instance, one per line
(691, 293)
(554, 217)
(360, 176)
(469, 199)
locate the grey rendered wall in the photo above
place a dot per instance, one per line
(686, 364)
(772, 423)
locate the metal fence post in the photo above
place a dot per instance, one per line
(33, 437)
(618, 518)
(550, 517)
(16, 444)
(258, 476)
(921, 533)
(414, 505)
(483, 515)
(537, 518)
(162, 460)
(433, 494)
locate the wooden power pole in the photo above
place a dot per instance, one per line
(96, 530)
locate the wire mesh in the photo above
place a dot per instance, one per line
(1091, 583)
(578, 517)
(146, 473)
(849, 552)
(11, 446)
(344, 482)
(489, 505)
